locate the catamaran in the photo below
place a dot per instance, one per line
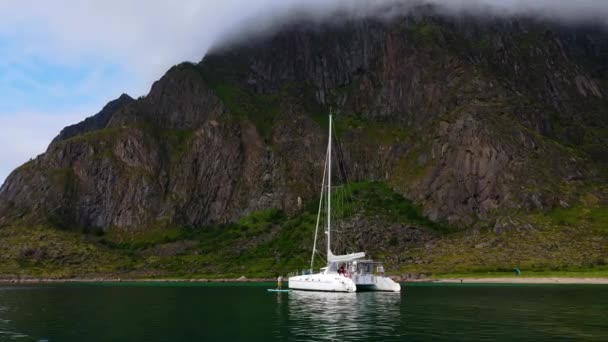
(343, 273)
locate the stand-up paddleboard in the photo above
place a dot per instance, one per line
(279, 290)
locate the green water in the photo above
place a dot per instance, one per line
(223, 312)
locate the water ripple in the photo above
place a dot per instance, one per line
(11, 335)
(343, 316)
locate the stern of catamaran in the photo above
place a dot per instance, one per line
(369, 275)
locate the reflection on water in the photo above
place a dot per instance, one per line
(343, 316)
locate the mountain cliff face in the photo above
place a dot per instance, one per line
(471, 120)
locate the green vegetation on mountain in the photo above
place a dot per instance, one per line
(269, 242)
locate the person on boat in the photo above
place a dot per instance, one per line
(279, 282)
(342, 270)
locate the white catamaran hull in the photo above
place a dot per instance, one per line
(376, 283)
(322, 282)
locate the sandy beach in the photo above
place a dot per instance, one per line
(542, 280)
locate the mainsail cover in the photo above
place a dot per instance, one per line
(345, 258)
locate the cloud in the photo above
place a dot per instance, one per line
(151, 35)
(568, 11)
(148, 36)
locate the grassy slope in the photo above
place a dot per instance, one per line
(563, 242)
(47, 252)
(560, 242)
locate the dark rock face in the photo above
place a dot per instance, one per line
(95, 122)
(465, 117)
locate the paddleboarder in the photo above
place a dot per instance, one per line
(279, 282)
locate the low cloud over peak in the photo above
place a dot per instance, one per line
(570, 11)
(151, 35)
(275, 14)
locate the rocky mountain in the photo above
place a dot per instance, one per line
(479, 123)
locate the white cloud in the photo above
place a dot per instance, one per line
(571, 11)
(151, 35)
(148, 36)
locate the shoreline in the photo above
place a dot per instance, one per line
(526, 280)
(129, 280)
(505, 280)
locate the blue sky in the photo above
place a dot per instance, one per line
(34, 83)
(40, 95)
(62, 60)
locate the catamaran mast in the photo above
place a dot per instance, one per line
(314, 245)
(329, 192)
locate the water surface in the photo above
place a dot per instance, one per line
(225, 312)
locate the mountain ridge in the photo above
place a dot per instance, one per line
(175, 102)
(485, 126)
